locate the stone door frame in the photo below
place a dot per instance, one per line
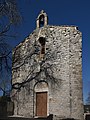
(34, 96)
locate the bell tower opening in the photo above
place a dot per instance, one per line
(42, 19)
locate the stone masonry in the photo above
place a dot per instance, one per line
(49, 60)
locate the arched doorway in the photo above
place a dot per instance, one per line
(41, 99)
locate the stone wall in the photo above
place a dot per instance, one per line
(60, 67)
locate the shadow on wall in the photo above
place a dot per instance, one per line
(6, 106)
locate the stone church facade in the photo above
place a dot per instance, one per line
(47, 72)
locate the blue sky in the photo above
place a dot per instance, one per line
(60, 12)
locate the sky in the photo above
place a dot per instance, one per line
(60, 12)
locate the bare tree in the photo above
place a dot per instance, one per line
(36, 68)
(9, 15)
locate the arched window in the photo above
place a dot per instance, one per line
(42, 43)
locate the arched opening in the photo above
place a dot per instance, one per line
(41, 99)
(42, 43)
(41, 21)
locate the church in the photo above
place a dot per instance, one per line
(47, 72)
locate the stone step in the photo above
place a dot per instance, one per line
(50, 117)
(21, 118)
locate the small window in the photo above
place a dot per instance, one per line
(42, 42)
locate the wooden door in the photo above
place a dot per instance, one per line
(41, 104)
